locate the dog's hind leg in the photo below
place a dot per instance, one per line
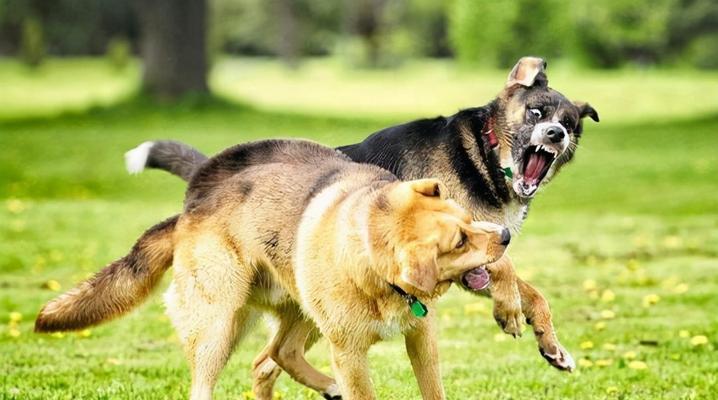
(294, 335)
(206, 303)
(265, 370)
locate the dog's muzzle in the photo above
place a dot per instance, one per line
(548, 141)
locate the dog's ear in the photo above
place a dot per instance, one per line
(527, 72)
(419, 267)
(405, 194)
(428, 187)
(585, 110)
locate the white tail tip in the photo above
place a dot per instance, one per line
(136, 159)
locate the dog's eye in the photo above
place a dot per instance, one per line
(536, 113)
(567, 124)
(462, 241)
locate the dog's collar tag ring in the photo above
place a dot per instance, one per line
(417, 308)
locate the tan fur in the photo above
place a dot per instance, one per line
(314, 240)
(116, 289)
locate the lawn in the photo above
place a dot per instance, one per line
(624, 243)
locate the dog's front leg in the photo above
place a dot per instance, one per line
(424, 355)
(538, 314)
(506, 294)
(349, 362)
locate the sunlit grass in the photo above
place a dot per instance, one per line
(624, 245)
(328, 87)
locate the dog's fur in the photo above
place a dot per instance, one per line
(272, 224)
(458, 150)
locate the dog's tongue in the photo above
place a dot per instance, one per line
(477, 279)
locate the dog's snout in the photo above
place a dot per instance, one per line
(554, 134)
(505, 237)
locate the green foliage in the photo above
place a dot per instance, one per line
(497, 33)
(703, 51)
(32, 46)
(119, 53)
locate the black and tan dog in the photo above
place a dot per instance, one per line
(297, 229)
(493, 159)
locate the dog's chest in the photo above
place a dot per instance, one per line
(514, 216)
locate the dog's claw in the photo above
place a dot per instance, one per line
(559, 358)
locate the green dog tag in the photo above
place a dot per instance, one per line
(418, 309)
(509, 174)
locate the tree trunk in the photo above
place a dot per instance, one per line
(288, 38)
(174, 47)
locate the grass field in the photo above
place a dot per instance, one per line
(624, 243)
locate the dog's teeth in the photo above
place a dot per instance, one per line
(538, 148)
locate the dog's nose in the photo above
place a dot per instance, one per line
(505, 237)
(554, 134)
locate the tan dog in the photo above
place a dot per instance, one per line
(270, 225)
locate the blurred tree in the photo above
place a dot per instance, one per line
(119, 53)
(32, 47)
(288, 38)
(174, 47)
(364, 18)
(497, 33)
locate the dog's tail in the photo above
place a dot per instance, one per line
(117, 288)
(174, 157)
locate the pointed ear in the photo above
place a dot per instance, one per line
(585, 110)
(419, 268)
(525, 72)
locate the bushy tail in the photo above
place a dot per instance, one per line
(116, 289)
(174, 157)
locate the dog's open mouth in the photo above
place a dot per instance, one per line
(476, 279)
(536, 162)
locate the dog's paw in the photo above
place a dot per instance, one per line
(509, 316)
(555, 354)
(332, 392)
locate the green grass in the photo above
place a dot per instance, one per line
(635, 214)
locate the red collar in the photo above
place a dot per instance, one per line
(490, 134)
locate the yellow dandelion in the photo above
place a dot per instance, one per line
(586, 345)
(500, 337)
(699, 340)
(629, 355)
(606, 362)
(637, 365)
(474, 308)
(608, 296)
(683, 333)
(680, 288)
(15, 206)
(608, 314)
(599, 326)
(84, 333)
(672, 242)
(15, 316)
(114, 361)
(248, 395)
(13, 332)
(277, 396)
(632, 264)
(585, 363)
(53, 285)
(651, 299)
(609, 347)
(57, 335)
(589, 284)
(612, 390)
